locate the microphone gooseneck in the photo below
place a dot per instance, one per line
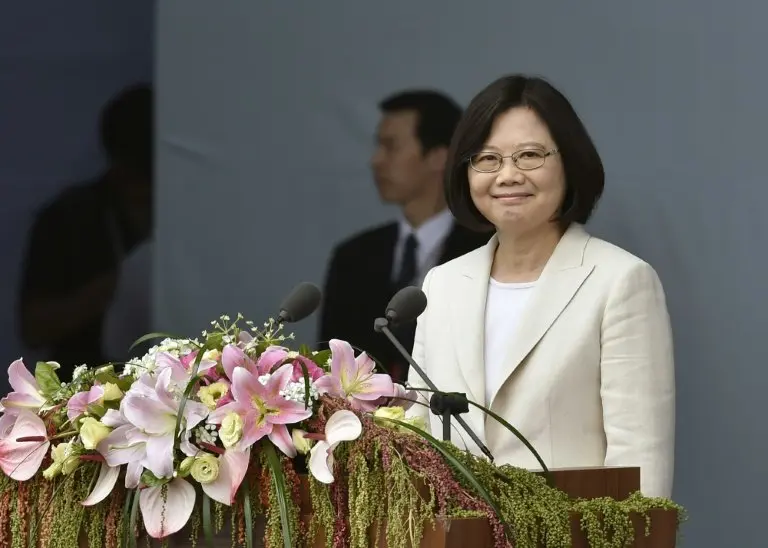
(407, 305)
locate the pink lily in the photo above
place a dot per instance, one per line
(353, 378)
(233, 357)
(298, 372)
(181, 367)
(26, 392)
(272, 356)
(401, 398)
(263, 410)
(23, 449)
(78, 404)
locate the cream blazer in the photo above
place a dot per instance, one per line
(589, 375)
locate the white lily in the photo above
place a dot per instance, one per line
(342, 426)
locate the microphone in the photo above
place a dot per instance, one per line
(407, 305)
(300, 303)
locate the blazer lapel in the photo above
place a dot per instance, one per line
(468, 320)
(560, 280)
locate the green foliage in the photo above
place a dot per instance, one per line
(47, 379)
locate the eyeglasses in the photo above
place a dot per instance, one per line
(490, 162)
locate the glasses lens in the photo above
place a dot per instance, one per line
(529, 159)
(486, 161)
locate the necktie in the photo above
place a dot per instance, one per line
(407, 273)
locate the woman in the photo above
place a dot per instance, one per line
(564, 335)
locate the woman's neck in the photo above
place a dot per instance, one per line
(521, 257)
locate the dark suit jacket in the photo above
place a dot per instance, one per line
(358, 287)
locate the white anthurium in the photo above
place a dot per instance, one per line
(342, 426)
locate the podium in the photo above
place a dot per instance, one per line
(587, 483)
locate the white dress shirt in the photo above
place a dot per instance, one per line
(430, 236)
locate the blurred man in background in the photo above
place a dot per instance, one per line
(366, 270)
(80, 239)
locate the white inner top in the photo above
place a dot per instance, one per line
(503, 313)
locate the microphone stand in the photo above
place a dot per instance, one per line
(446, 404)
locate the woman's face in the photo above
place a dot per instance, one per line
(526, 190)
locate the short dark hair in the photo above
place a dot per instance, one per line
(126, 127)
(584, 174)
(437, 115)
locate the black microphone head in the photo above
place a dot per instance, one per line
(300, 303)
(406, 305)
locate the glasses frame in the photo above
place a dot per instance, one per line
(514, 157)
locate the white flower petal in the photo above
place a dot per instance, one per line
(107, 478)
(342, 426)
(164, 516)
(321, 462)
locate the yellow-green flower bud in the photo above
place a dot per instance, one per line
(302, 444)
(112, 392)
(92, 432)
(231, 430)
(205, 468)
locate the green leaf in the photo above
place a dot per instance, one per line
(207, 520)
(125, 383)
(321, 358)
(47, 379)
(126, 533)
(458, 465)
(133, 521)
(519, 436)
(149, 337)
(247, 515)
(107, 376)
(277, 476)
(193, 380)
(97, 410)
(305, 371)
(150, 480)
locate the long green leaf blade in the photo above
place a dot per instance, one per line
(207, 520)
(248, 516)
(519, 436)
(150, 336)
(277, 476)
(133, 520)
(126, 532)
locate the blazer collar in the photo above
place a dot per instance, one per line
(561, 278)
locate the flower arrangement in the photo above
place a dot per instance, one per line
(228, 421)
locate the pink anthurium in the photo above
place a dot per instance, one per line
(342, 426)
(23, 449)
(353, 378)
